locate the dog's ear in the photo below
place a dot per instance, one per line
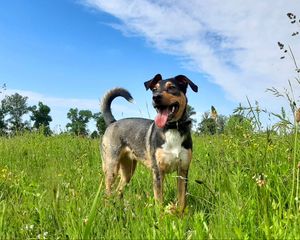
(183, 80)
(152, 82)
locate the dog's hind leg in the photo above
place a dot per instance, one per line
(127, 168)
(111, 174)
(110, 167)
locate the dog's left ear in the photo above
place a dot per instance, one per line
(181, 79)
(152, 82)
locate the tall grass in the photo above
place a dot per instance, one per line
(50, 188)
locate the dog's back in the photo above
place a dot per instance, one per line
(130, 133)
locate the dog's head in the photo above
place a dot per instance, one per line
(169, 97)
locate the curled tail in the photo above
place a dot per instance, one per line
(107, 100)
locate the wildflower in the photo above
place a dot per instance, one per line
(261, 182)
(28, 227)
(42, 236)
(260, 179)
(138, 196)
(149, 205)
(190, 234)
(270, 148)
(85, 221)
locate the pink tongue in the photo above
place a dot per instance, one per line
(161, 118)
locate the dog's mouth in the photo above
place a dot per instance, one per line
(165, 114)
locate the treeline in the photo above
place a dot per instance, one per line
(14, 107)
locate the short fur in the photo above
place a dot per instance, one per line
(162, 150)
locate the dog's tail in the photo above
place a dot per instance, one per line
(107, 100)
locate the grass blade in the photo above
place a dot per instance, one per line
(91, 217)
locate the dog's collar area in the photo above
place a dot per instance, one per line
(179, 124)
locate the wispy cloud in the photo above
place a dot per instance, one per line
(233, 42)
(34, 98)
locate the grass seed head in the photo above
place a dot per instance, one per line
(297, 115)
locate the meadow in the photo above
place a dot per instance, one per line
(242, 187)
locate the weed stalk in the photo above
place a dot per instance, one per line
(2, 220)
(295, 168)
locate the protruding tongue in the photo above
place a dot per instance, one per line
(161, 118)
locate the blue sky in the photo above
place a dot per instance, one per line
(68, 53)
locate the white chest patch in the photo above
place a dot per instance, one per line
(172, 154)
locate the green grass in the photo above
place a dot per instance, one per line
(50, 188)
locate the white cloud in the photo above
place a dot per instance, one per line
(234, 42)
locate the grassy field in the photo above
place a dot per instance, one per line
(49, 185)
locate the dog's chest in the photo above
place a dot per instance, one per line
(172, 154)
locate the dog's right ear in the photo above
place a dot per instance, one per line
(152, 82)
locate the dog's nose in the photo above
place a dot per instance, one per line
(157, 97)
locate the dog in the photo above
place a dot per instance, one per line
(163, 145)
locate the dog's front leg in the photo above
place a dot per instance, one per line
(158, 185)
(182, 181)
(182, 188)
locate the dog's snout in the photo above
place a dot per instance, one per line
(157, 97)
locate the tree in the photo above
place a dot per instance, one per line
(79, 121)
(16, 106)
(207, 125)
(100, 123)
(212, 123)
(3, 124)
(40, 116)
(3, 87)
(190, 111)
(221, 122)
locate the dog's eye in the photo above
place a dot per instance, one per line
(171, 88)
(154, 89)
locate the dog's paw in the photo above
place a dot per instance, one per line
(175, 209)
(172, 208)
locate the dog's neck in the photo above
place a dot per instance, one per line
(183, 123)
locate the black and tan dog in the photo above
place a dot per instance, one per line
(163, 145)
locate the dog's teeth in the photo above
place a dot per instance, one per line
(173, 109)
